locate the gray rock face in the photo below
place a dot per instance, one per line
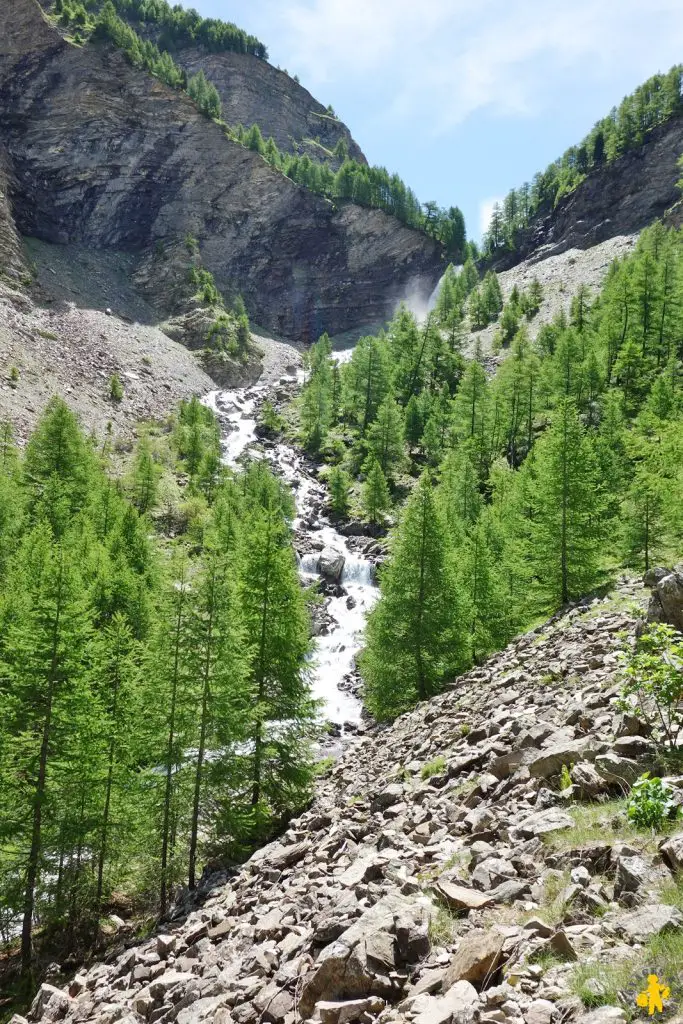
(331, 564)
(254, 92)
(666, 602)
(138, 165)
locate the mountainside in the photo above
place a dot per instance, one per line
(105, 155)
(439, 876)
(252, 91)
(619, 198)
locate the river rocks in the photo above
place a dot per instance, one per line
(331, 564)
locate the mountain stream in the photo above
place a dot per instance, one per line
(347, 603)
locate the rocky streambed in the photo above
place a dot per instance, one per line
(342, 566)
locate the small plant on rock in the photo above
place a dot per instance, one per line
(651, 803)
(654, 682)
(13, 377)
(565, 777)
(435, 767)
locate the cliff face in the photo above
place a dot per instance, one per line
(107, 156)
(254, 92)
(621, 198)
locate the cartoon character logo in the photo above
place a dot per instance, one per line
(652, 998)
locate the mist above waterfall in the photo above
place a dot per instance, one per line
(418, 301)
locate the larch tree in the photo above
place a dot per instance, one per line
(416, 634)
(567, 507)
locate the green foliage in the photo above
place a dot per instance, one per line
(141, 697)
(565, 463)
(651, 803)
(375, 498)
(115, 388)
(339, 483)
(435, 767)
(654, 682)
(205, 95)
(415, 634)
(565, 777)
(179, 28)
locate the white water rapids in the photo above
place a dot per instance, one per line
(333, 659)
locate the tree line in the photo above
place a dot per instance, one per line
(155, 707)
(626, 127)
(364, 185)
(175, 27)
(513, 493)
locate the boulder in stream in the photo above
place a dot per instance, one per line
(331, 564)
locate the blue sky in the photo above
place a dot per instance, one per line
(465, 99)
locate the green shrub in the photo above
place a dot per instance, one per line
(435, 767)
(565, 777)
(115, 388)
(13, 376)
(651, 803)
(654, 682)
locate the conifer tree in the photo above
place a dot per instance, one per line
(277, 631)
(375, 498)
(217, 667)
(414, 421)
(567, 505)
(415, 635)
(366, 379)
(385, 438)
(339, 483)
(642, 518)
(44, 676)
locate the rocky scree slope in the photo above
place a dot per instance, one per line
(104, 155)
(451, 815)
(621, 198)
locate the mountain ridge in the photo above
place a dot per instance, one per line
(124, 174)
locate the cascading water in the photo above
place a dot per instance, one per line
(333, 660)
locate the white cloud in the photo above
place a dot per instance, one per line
(485, 211)
(449, 58)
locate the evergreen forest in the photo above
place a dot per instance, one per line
(155, 709)
(512, 485)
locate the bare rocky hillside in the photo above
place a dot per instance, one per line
(102, 154)
(440, 875)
